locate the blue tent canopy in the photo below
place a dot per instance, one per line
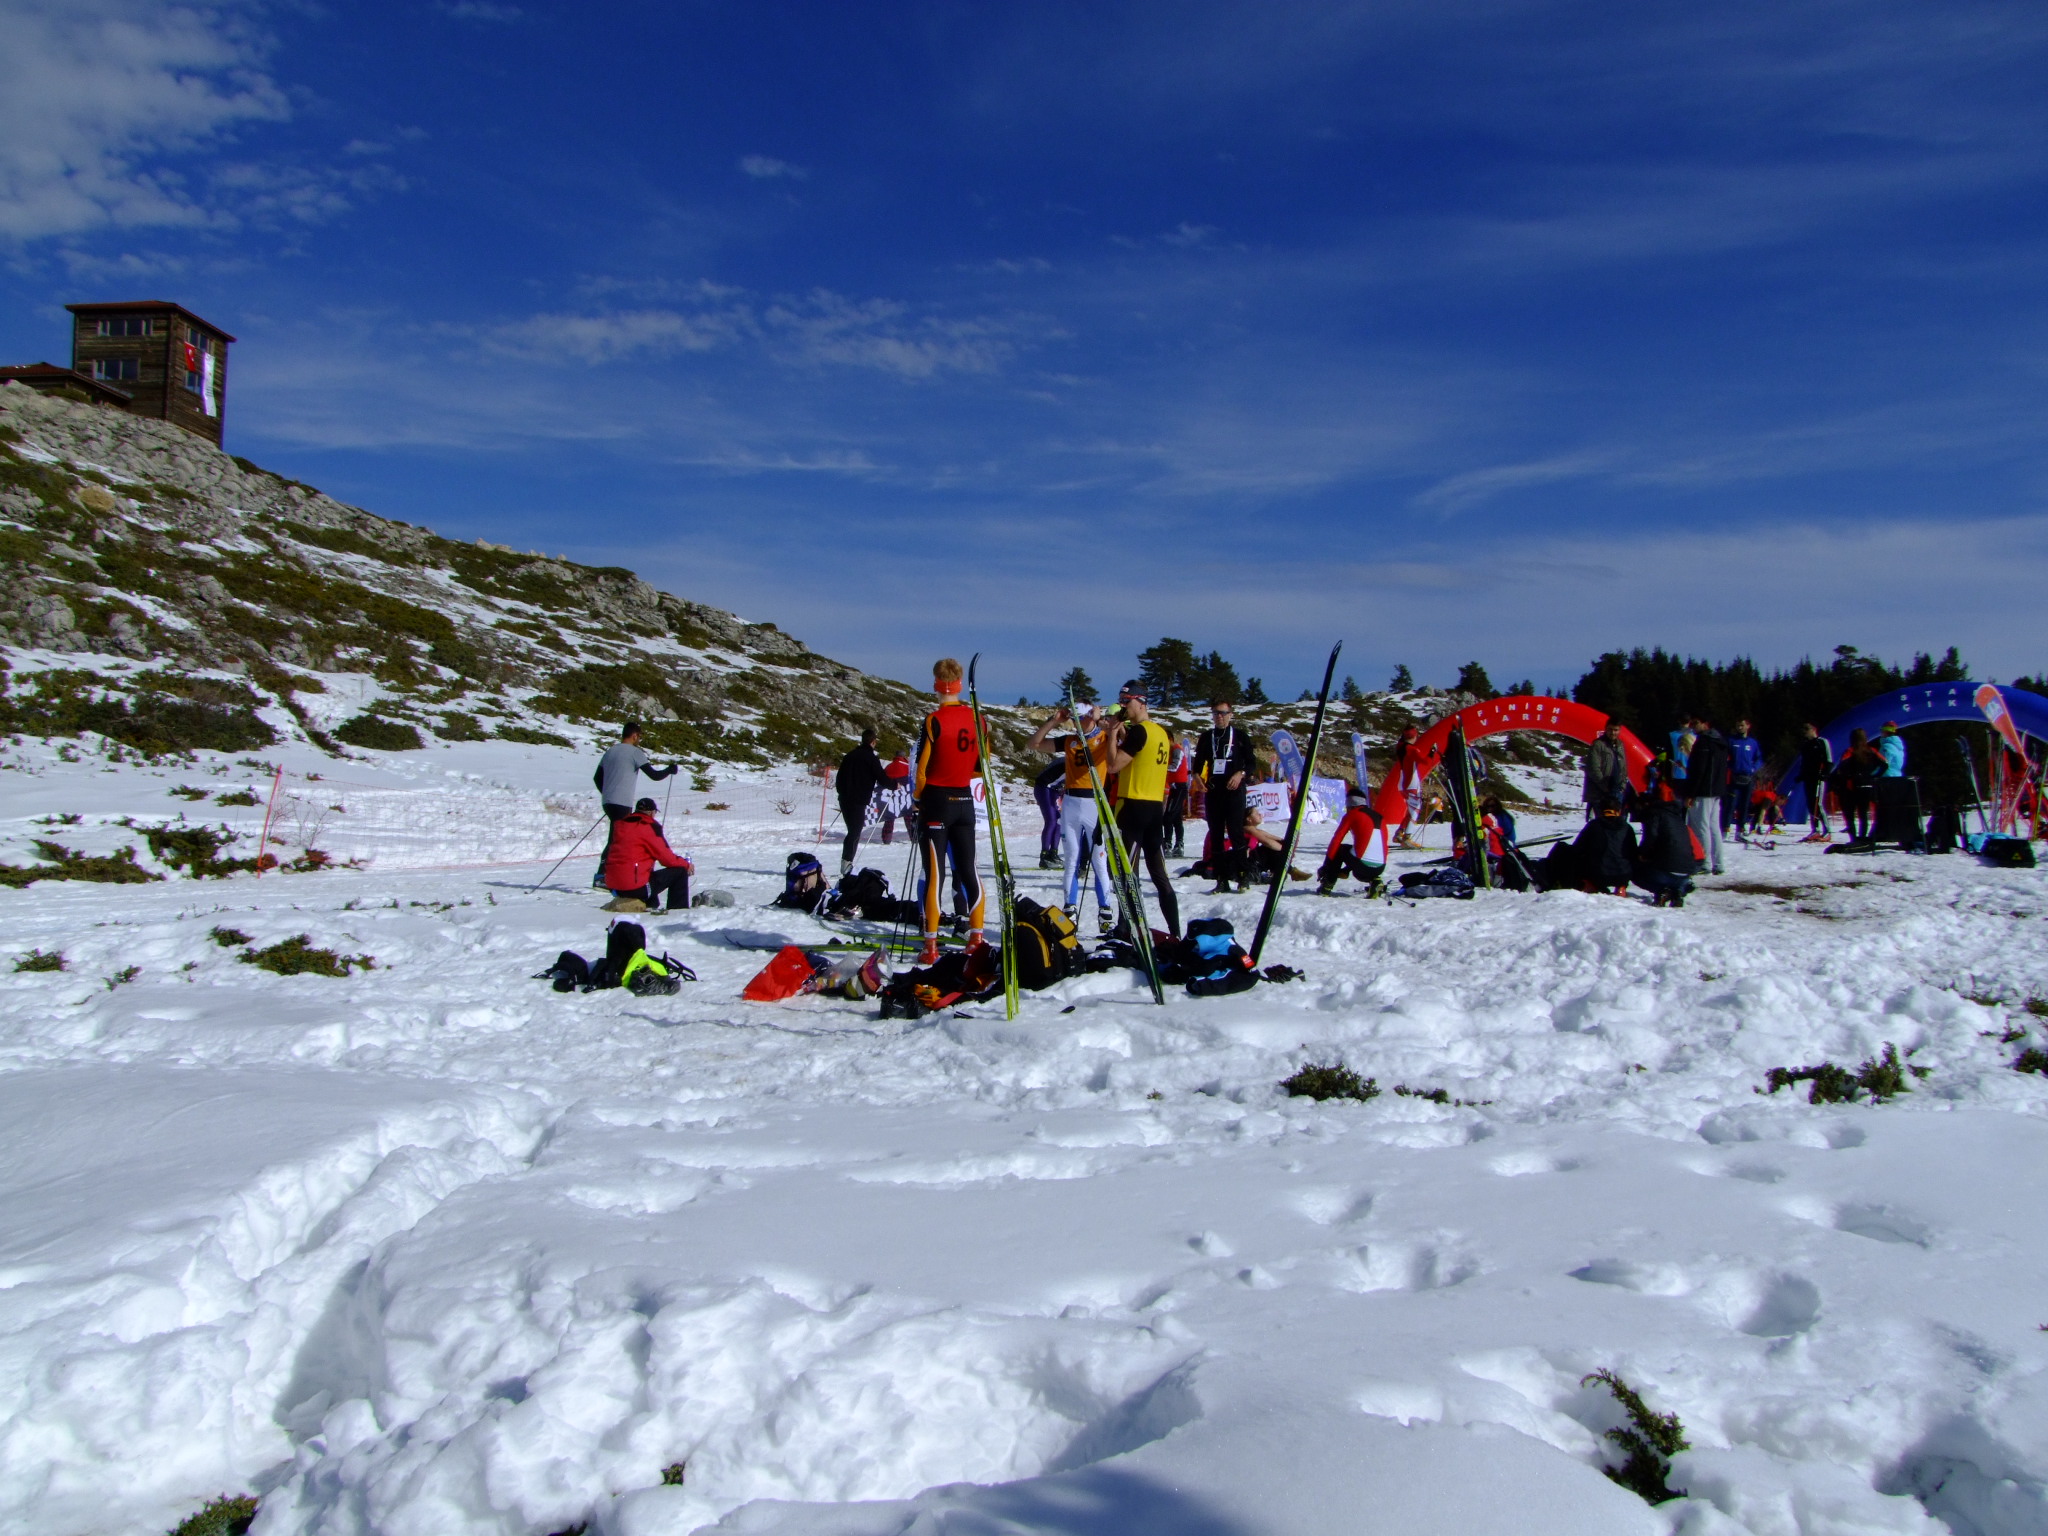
(1922, 704)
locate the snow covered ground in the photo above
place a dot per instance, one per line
(433, 1251)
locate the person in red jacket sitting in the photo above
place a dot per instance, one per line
(630, 867)
(1366, 857)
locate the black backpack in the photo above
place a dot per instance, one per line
(857, 892)
(1209, 960)
(1048, 949)
(2008, 852)
(569, 972)
(623, 940)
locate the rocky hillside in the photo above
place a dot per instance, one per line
(238, 588)
(169, 597)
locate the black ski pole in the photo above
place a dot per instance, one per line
(1308, 774)
(544, 879)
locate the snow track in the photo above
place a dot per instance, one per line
(433, 1249)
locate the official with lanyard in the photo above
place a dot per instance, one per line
(1223, 757)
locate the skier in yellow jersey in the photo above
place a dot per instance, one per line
(1141, 755)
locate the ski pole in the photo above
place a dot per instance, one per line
(544, 879)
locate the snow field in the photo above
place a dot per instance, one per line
(434, 1249)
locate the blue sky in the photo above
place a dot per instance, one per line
(1505, 330)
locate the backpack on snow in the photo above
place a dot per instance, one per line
(1048, 949)
(627, 964)
(803, 884)
(1209, 960)
(959, 975)
(1454, 883)
(569, 972)
(2008, 852)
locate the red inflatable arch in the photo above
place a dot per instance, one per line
(1490, 717)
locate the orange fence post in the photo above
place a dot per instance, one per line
(270, 810)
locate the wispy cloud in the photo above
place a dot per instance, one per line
(1457, 492)
(94, 94)
(820, 328)
(481, 10)
(768, 168)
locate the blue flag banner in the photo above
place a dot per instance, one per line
(1358, 758)
(1287, 756)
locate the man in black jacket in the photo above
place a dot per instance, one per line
(1223, 757)
(1816, 764)
(1706, 781)
(860, 775)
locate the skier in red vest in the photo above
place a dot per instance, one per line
(1366, 857)
(948, 760)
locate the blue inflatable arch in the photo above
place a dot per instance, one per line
(1919, 705)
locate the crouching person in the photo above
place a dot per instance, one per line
(1668, 853)
(1366, 857)
(641, 866)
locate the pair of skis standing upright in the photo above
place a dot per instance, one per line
(1123, 874)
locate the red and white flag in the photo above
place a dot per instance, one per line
(1992, 702)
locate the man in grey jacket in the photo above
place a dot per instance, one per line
(1606, 780)
(618, 780)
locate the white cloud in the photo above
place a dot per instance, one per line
(93, 93)
(824, 327)
(768, 168)
(606, 338)
(481, 10)
(1457, 492)
(1186, 235)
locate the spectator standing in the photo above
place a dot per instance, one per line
(1706, 781)
(618, 783)
(1891, 746)
(1816, 767)
(1408, 775)
(1606, 774)
(1178, 776)
(1223, 758)
(1862, 765)
(640, 866)
(860, 775)
(1049, 791)
(895, 795)
(1745, 762)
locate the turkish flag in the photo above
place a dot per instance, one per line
(191, 358)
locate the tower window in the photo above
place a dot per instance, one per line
(116, 368)
(123, 327)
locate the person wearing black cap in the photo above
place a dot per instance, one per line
(638, 846)
(1140, 755)
(617, 779)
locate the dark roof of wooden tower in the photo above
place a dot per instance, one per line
(159, 305)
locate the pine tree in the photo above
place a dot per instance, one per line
(1214, 681)
(1403, 681)
(1472, 679)
(1352, 693)
(1167, 671)
(1081, 685)
(1255, 691)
